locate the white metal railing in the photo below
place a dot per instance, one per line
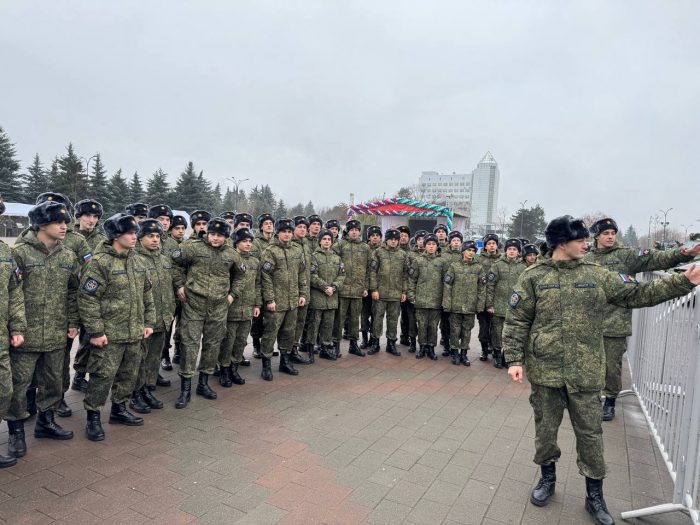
(665, 368)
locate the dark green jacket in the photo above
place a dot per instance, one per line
(168, 245)
(115, 296)
(388, 273)
(500, 283)
(260, 243)
(425, 278)
(12, 318)
(555, 318)
(617, 321)
(160, 270)
(93, 238)
(283, 276)
(306, 247)
(73, 241)
(251, 295)
(451, 255)
(464, 288)
(326, 270)
(355, 257)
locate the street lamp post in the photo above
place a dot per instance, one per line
(236, 184)
(665, 223)
(87, 174)
(522, 215)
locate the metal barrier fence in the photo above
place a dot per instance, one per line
(665, 367)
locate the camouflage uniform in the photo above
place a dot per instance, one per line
(260, 243)
(115, 300)
(177, 314)
(306, 247)
(93, 238)
(484, 317)
(50, 286)
(617, 322)
(367, 313)
(553, 329)
(283, 282)
(463, 295)
(327, 269)
(388, 269)
(208, 275)
(425, 292)
(500, 283)
(355, 257)
(450, 256)
(411, 324)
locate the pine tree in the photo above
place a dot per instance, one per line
(37, 181)
(227, 203)
(281, 210)
(72, 179)
(309, 209)
(217, 200)
(296, 210)
(119, 191)
(630, 237)
(136, 193)
(530, 220)
(53, 174)
(158, 188)
(187, 194)
(11, 182)
(99, 184)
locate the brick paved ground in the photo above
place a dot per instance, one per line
(374, 440)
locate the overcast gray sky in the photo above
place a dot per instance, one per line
(587, 106)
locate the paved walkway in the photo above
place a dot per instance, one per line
(374, 440)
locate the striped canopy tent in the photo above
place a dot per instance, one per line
(402, 207)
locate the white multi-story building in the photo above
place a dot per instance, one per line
(484, 197)
(452, 190)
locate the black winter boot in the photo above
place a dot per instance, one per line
(166, 363)
(373, 346)
(119, 414)
(225, 377)
(446, 351)
(365, 340)
(609, 409)
(545, 486)
(455, 357)
(203, 388)
(46, 427)
(286, 365)
(595, 504)
(497, 358)
(354, 349)
(93, 427)
(7, 461)
(257, 354)
(266, 372)
(16, 446)
(31, 401)
(430, 352)
(296, 357)
(391, 348)
(311, 351)
(464, 358)
(185, 392)
(484, 351)
(150, 399)
(217, 370)
(245, 362)
(63, 410)
(327, 352)
(176, 355)
(404, 340)
(79, 382)
(420, 354)
(161, 381)
(236, 379)
(137, 404)
(336, 347)
(412, 345)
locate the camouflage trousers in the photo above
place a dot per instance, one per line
(586, 417)
(461, 326)
(6, 382)
(114, 366)
(205, 325)
(49, 375)
(280, 327)
(615, 348)
(302, 313)
(484, 319)
(444, 327)
(322, 326)
(409, 328)
(174, 324)
(367, 314)
(427, 320)
(392, 309)
(497, 323)
(151, 350)
(349, 309)
(234, 342)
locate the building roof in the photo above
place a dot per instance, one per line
(488, 159)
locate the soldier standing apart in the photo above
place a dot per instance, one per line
(374, 241)
(283, 282)
(355, 256)
(463, 296)
(178, 227)
(265, 233)
(160, 270)
(617, 322)
(500, 283)
(14, 325)
(327, 276)
(240, 312)
(208, 277)
(425, 292)
(116, 307)
(489, 255)
(554, 331)
(301, 228)
(388, 272)
(50, 274)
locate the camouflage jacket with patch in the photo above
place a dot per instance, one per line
(388, 273)
(355, 257)
(425, 278)
(251, 293)
(326, 270)
(500, 283)
(306, 247)
(12, 318)
(283, 277)
(160, 270)
(464, 287)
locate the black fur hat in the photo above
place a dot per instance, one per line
(119, 224)
(241, 234)
(219, 226)
(430, 237)
(490, 237)
(455, 233)
(404, 229)
(332, 223)
(228, 215)
(440, 227)
(530, 248)
(178, 220)
(392, 234)
(602, 225)
(243, 217)
(48, 212)
(55, 197)
(137, 209)
(323, 233)
(353, 224)
(515, 243)
(564, 229)
(374, 230)
(315, 218)
(265, 217)
(524, 241)
(88, 206)
(468, 245)
(199, 215)
(284, 224)
(160, 210)
(420, 233)
(300, 219)
(147, 226)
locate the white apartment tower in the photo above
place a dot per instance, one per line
(484, 198)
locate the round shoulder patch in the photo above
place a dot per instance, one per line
(514, 300)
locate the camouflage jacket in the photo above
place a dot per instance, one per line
(464, 287)
(500, 283)
(617, 321)
(326, 270)
(425, 277)
(251, 296)
(556, 314)
(73, 241)
(12, 318)
(306, 247)
(260, 243)
(168, 245)
(388, 273)
(50, 293)
(450, 255)
(115, 296)
(93, 238)
(283, 277)
(160, 270)
(355, 257)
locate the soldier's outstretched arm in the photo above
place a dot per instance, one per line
(623, 290)
(649, 261)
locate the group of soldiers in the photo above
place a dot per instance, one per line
(129, 286)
